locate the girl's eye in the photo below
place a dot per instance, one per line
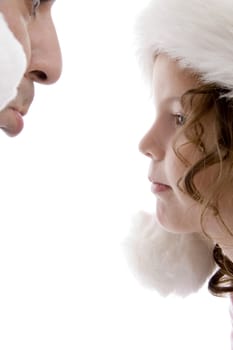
(180, 119)
(35, 5)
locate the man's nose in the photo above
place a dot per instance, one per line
(151, 145)
(46, 62)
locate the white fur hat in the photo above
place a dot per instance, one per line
(172, 264)
(199, 33)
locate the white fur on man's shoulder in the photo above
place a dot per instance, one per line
(199, 33)
(171, 263)
(12, 63)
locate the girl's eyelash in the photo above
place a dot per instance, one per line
(180, 119)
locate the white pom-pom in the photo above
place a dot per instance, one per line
(12, 64)
(171, 263)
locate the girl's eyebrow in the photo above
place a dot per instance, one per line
(173, 99)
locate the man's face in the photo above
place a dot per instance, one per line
(32, 25)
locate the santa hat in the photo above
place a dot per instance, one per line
(198, 33)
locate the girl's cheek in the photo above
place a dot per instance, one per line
(206, 178)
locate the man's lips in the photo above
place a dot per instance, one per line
(19, 122)
(11, 118)
(11, 121)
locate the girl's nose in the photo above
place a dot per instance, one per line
(151, 145)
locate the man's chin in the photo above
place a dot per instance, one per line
(12, 134)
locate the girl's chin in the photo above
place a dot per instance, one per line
(164, 218)
(172, 220)
(172, 227)
(168, 224)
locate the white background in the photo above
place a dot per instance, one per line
(69, 186)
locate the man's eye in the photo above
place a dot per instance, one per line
(35, 5)
(180, 119)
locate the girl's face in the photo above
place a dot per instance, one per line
(175, 211)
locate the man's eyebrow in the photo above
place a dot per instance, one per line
(47, 1)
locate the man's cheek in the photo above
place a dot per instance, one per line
(13, 63)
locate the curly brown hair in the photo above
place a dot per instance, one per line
(219, 151)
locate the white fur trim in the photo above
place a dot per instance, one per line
(171, 263)
(12, 64)
(199, 33)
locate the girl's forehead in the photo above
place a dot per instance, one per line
(170, 80)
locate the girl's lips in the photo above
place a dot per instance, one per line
(157, 187)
